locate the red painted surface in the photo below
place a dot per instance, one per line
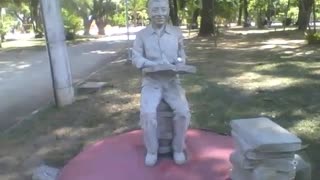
(121, 157)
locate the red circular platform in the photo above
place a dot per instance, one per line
(121, 157)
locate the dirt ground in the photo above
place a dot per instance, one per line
(250, 73)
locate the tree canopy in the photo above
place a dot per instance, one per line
(81, 14)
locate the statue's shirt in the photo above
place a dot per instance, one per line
(166, 46)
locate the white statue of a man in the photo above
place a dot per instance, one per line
(161, 43)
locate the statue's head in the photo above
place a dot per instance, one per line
(158, 11)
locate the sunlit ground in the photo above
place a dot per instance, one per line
(22, 43)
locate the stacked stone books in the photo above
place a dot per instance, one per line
(263, 150)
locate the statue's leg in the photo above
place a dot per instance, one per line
(150, 99)
(174, 95)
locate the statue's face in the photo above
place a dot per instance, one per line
(159, 12)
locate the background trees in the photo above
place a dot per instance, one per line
(25, 15)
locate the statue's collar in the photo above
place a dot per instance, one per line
(167, 29)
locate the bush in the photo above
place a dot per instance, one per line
(72, 24)
(5, 25)
(313, 38)
(119, 19)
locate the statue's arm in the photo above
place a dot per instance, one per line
(181, 52)
(138, 58)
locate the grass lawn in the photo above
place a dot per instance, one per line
(272, 74)
(36, 44)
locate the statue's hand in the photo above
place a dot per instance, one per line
(149, 64)
(163, 63)
(179, 61)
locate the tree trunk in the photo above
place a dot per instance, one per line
(194, 22)
(240, 12)
(314, 16)
(174, 12)
(259, 20)
(246, 14)
(87, 25)
(101, 24)
(285, 22)
(36, 18)
(305, 8)
(135, 18)
(206, 26)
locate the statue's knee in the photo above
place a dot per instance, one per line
(182, 116)
(148, 120)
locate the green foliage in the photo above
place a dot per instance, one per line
(188, 10)
(82, 8)
(6, 23)
(137, 10)
(119, 19)
(313, 38)
(72, 22)
(226, 9)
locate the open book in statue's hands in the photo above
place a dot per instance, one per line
(170, 68)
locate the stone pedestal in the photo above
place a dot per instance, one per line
(263, 150)
(165, 127)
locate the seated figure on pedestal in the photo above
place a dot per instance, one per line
(161, 44)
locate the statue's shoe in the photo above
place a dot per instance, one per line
(151, 159)
(179, 158)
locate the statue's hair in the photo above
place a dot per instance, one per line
(151, 1)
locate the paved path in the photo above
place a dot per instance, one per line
(25, 77)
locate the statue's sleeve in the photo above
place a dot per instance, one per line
(181, 51)
(138, 58)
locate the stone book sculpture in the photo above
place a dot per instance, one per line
(169, 68)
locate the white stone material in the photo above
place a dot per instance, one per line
(167, 68)
(57, 51)
(281, 164)
(263, 151)
(249, 152)
(303, 168)
(270, 173)
(266, 136)
(151, 159)
(239, 173)
(165, 127)
(157, 47)
(45, 173)
(179, 158)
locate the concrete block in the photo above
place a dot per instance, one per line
(164, 146)
(236, 158)
(249, 152)
(269, 173)
(303, 168)
(164, 127)
(283, 165)
(266, 136)
(239, 173)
